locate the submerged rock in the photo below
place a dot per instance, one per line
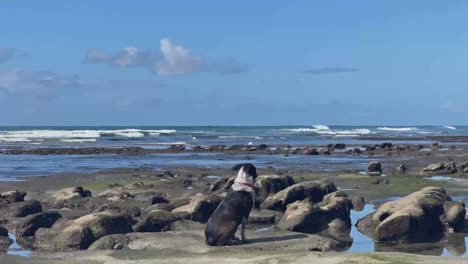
(312, 190)
(418, 217)
(111, 242)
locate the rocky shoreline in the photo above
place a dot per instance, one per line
(133, 211)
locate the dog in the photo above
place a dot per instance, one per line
(234, 209)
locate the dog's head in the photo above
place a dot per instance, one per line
(247, 168)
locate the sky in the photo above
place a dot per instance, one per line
(208, 62)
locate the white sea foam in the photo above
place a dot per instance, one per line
(83, 140)
(450, 127)
(240, 137)
(397, 129)
(325, 130)
(28, 135)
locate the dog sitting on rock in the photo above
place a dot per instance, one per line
(234, 210)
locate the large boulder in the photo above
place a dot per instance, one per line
(157, 221)
(13, 196)
(200, 208)
(218, 184)
(331, 215)
(80, 233)
(66, 195)
(441, 168)
(419, 217)
(264, 217)
(374, 168)
(32, 223)
(22, 209)
(312, 190)
(271, 184)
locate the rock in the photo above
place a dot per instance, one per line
(115, 195)
(200, 207)
(159, 198)
(161, 206)
(386, 145)
(442, 168)
(358, 202)
(156, 221)
(185, 225)
(325, 151)
(271, 184)
(111, 242)
(32, 223)
(22, 209)
(66, 195)
(218, 184)
(418, 217)
(374, 168)
(464, 167)
(312, 190)
(80, 233)
(310, 151)
(402, 169)
(307, 217)
(264, 217)
(5, 241)
(132, 210)
(454, 215)
(13, 196)
(180, 202)
(3, 232)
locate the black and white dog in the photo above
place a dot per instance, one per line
(234, 209)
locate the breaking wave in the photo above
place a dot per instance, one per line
(325, 130)
(397, 129)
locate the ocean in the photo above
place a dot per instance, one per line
(16, 166)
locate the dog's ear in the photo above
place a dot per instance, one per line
(237, 167)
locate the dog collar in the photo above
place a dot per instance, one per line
(248, 184)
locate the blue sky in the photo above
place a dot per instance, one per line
(233, 62)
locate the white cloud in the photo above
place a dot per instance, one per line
(169, 59)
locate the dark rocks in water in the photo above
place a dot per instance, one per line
(13, 196)
(200, 208)
(336, 146)
(402, 169)
(32, 223)
(386, 145)
(22, 209)
(326, 151)
(419, 217)
(331, 215)
(312, 190)
(441, 168)
(271, 184)
(80, 233)
(374, 168)
(156, 221)
(111, 242)
(310, 151)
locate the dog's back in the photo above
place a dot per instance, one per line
(223, 224)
